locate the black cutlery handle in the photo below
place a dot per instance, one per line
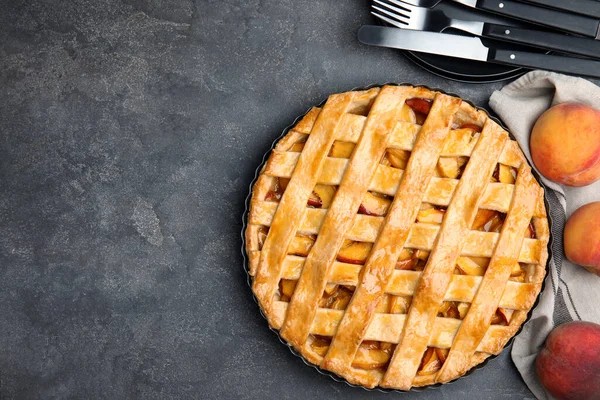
(568, 65)
(591, 8)
(544, 16)
(544, 40)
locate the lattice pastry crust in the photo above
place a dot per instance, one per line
(397, 237)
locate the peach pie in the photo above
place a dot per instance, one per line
(396, 237)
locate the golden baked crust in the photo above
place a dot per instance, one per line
(396, 237)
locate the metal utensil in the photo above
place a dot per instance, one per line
(472, 48)
(559, 20)
(404, 15)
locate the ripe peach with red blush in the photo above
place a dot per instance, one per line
(569, 364)
(565, 144)
(582, 237)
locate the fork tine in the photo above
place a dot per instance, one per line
(392, 11)
(399, 16)
(389, 20)
(405, 6)
(402, 18)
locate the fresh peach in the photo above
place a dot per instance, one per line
(582, 237)
(565, 144)
(568, 366)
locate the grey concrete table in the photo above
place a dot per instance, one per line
(130, 131)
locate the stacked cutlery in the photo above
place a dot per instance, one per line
(421, 24)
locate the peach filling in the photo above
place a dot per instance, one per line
(276, 191)
(519, 272)
(473, 127)
(286, 289)
(353, 252)
(453, 309)
(301, 245)
(412, 259)
(341, 149)
(370, 355)
(451, 167)
(432, 361)
(530, 232)
(390, 304)
(504, 174)
(488, 220)
(373, 355)
(319, 344)
(376, 355)
(376, 204)
(396, 158)
(431, 214)
(321, 196)
(475, 266)
(492, 221)
(336, 297)
(263, 231)
(297, 147)
(421, 107)
(502, 316)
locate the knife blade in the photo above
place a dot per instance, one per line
(472, 48)
(556, 19)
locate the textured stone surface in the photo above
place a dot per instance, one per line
(130, 131)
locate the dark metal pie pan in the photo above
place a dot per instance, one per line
(247, 267)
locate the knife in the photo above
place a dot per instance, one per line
(472, 48)
(591, 8)
(544, 16)
(438, 21)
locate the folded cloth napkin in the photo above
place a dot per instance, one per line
(571, 293)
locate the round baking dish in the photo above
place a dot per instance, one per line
(249, 278)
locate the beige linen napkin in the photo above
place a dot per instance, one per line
(571, 293)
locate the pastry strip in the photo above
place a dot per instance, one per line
(496, 196)
(338, 219)
(387, 179)
(462, 288)
(489, 294)
(439, 268)
(365, 228)
(292, 206)
(281, 163)
(394, 233)
(387, 328)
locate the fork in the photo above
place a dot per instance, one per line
(550, 17)
(408, 16)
